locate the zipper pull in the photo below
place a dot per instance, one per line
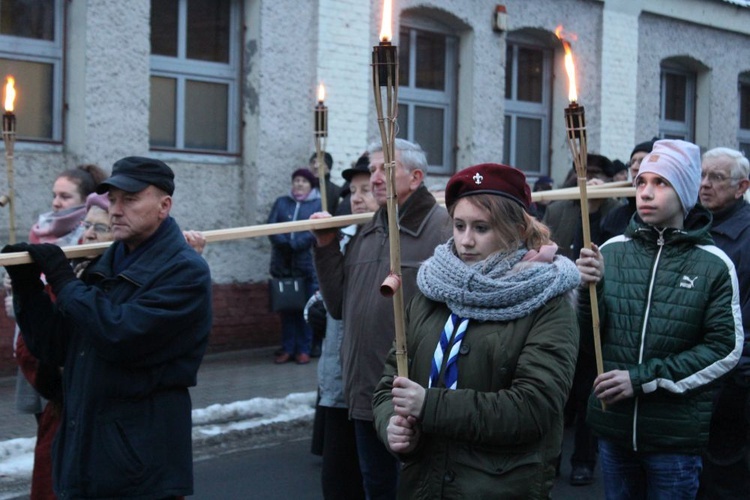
(660, 240)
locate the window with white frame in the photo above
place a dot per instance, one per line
(677, 113)
(195, 54)
(528, 87)
(743, 136)
(31, 51)
(427, 94)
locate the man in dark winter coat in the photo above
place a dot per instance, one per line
(130, 337)
(726, 463)
(350, 285)
(565, 221)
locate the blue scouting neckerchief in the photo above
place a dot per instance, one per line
(450, 342)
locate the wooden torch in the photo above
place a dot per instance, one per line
(575, 125)
(321, 134)
(385, 88)
(9, 138)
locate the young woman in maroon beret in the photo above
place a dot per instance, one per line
(492, 342)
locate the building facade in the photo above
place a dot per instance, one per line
(224, 91)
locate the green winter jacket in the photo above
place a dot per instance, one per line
(497, 435)
(669, 313)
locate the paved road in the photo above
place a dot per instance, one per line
(283, 467)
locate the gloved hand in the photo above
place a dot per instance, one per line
(24, 277)
(316, 318)
(54, 264)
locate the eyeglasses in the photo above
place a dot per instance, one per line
(98, 227)
(715, 178)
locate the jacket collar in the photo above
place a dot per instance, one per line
(412, 215)
(695, 231)
(733, 221)
(142, 269)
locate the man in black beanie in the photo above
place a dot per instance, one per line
(615, 222)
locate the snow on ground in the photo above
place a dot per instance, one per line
(17, 455)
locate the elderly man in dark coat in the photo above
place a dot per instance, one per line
(130, 338)
(350, 285)
(726, 463)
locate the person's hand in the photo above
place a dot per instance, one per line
(591, 265)
(407, 397)
(316, 318)
(403, 434)
(324, 237)
(613, 386)
(196, 240)
(54, 264)
(24, 277)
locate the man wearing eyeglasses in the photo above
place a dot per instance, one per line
(724, 181)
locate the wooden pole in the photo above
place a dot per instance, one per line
(245, 232)
(576, 131)
(385, 80)
(9, 138)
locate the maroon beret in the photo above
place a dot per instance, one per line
(489, 178)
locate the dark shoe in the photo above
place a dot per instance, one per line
(278, 352)
(302, 358)
(581, 475)
(282, 358)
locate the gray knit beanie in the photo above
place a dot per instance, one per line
(679, 162)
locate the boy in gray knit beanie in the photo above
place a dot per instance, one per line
(679, 163)
(671, 327)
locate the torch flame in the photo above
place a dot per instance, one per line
(321, 93)
(385, 28)
(569, 65)
(10, 93)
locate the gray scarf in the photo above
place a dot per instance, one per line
(502, 287)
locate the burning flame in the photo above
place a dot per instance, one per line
(10, 93)
(385, 28)
(321, 93)
(569, 65)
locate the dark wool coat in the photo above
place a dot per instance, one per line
(130, 345)
(670, 316)
(498, 434)
(730, 423)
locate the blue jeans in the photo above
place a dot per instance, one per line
(296, 334)
(379, 468)
(634, 475)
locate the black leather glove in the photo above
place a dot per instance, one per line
(54, 264)
(24, 277)
(316, 318)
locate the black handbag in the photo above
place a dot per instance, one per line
(287, 294)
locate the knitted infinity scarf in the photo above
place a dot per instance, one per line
(502, 287)
(61, 228)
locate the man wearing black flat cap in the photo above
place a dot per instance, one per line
(130, 336)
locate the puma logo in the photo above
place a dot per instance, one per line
(688, 282)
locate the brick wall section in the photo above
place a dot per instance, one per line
(241, 321)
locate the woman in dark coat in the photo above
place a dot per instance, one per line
(291, 256)
(492, 341)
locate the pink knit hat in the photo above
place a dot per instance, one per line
(97, 200)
